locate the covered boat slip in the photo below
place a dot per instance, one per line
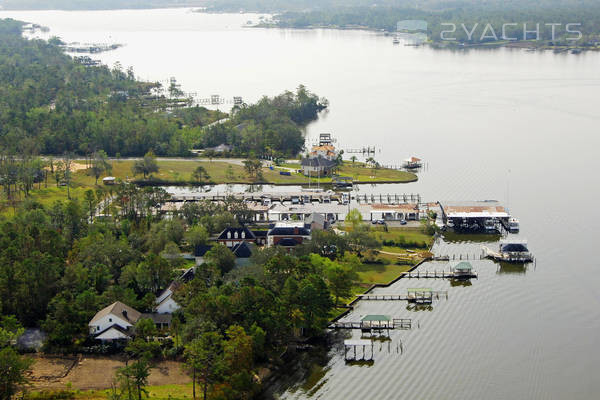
(487, 215)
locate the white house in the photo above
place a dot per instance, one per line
(114, 322)
(165, 304)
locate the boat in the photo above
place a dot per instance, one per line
(510, 250)
(513, 224)
(412, 163)
(396, 40)
(490, 225)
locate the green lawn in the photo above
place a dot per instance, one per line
(380, 273)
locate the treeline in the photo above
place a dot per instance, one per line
(384, 15)
(270, 128)
(93, 4)
(474, 19)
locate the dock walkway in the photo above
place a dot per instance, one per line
(424, 297)
(396, 323)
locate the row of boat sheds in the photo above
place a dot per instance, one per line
(488, 215)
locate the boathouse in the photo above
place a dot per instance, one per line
(472, 215)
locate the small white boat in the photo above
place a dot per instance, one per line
(396, 40)
(513, 225)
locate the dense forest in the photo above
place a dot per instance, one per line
(269, 128)
(59, 265)
(51, 103)
(385, 15)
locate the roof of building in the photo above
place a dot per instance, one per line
(287, 242)
(463, 266)
(288, 231)
(247, 234)
(315, 218)
(201, 249)
(120, 310)
(260, 234)
(375, 317)
(514, 247)
(115, 327)
(158, 318)
(488, 208)
(407, 207)
(319, 161)
(324, 147)
(242, 250)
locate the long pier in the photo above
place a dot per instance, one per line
(439, 275)
(396, 323)
(424, 297)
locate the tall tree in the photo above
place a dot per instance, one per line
(145, 166)
(13, 367)
(204, 357)
(200, 174)
(99, 164)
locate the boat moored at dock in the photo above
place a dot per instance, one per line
(510, 250)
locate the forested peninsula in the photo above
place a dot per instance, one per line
(51, 103)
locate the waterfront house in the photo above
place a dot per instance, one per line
(318, 166)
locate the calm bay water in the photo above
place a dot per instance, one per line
(510, 125)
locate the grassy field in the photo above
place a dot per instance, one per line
(180, 172)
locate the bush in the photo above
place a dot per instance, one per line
(51, 395)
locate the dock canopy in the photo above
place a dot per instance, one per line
(463, 266)
(514, 247)
(375, 318)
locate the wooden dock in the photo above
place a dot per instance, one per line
(439, 275)
(396, 323)
(301, 197)
(424, 297)
(353, 345)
